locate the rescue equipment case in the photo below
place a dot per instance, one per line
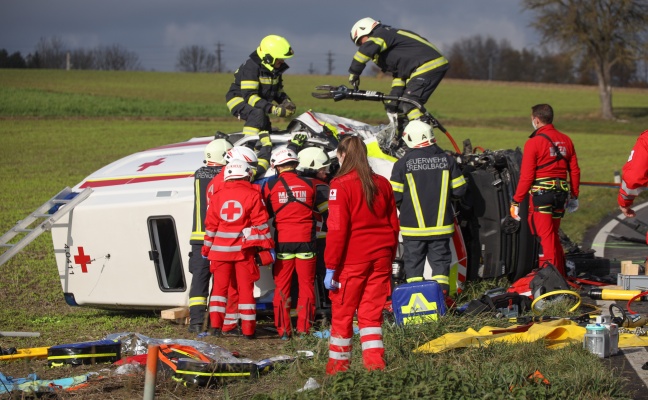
(102, 351)
(418, 302)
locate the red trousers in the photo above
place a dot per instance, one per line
(545, 225)
(283, 272)
(244, 273)
(364, 288)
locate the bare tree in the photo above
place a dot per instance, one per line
(195, 59)
(51, 52)
(603, 33)
(116, 58)
(82, 59)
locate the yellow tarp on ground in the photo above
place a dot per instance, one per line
(558, 333)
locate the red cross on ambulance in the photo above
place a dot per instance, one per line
(83, 260)
(231, 210)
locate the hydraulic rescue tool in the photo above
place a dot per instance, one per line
(342, 92)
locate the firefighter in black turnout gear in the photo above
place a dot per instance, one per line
(424, 180)
(416, 65)
(198, 266)
(258, 82)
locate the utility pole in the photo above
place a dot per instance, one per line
(311, 69)
(219, 65)
(329, 63)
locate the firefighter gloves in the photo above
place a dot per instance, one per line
(288, 105)
(354, 80)
(283, 110)
(329, 283)
(299, 139)
(391, 107)
(515, 210)
(572, 205)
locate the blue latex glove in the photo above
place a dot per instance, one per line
(205, 257)
(274, 255)
(329, 283)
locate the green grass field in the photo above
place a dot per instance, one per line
(56, 127)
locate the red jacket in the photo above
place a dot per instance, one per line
(355, 234)
(294, 220)
(539, 151)
(236, 223)
(635, 172)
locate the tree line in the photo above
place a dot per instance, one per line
(602, 42)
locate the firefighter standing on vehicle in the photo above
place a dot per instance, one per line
(549, 158)
(424, 180)
(198, 266)
(293, 200)
(258, 82)
(635, 175)
(361, 244)
(236, 227)
(416, 65)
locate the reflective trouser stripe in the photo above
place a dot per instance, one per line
(339, 348)
(250, 130)
(372, 344)
(441, 279)
(197, 301)
(218, 309)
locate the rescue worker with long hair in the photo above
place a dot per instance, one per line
(416, 65)
(360, 246)
(198, 266)
(634, 175)
(292, 200)
(424, 180)
(548, 161)
(257, 90)
(236, 227)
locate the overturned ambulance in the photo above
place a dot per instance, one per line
(126, 245)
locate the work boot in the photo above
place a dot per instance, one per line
(195, 328)
(214, 332)
(236, 332)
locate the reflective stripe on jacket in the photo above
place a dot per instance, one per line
(423, 181)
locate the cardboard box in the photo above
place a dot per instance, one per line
(628, 268)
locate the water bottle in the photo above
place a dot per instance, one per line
(597, 340)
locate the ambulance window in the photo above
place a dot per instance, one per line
(165, 254)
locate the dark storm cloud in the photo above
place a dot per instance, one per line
(157, 29)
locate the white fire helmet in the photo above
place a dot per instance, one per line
(237, 169)
(281, 156)
(242, 153)
(215, 151)
(313, 158)
(418, 134)
(362, 28)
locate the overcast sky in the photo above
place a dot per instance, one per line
(157, 29)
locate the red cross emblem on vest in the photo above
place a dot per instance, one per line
(231, 210)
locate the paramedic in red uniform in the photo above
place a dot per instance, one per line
(248, 155)
(199, 266)
(635, 175)
(360, 246)
(293, 200)
(236, 226)
(549, 159)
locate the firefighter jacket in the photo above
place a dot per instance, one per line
(423, 181)
(635, 172)
(357, 234)
(236, 223)
(553, 157)
(202, 182)
(257, 84)
(402, 53)
(294, 200)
